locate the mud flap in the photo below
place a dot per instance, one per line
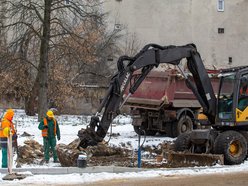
(182, 159)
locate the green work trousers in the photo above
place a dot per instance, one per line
(50, 144)
(4, 158)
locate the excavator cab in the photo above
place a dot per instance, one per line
(228, 137)
(232, 102)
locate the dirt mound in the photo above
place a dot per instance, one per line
(30, 153)
(106, 155)
(97, 155)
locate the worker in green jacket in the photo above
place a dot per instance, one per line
(50, 129)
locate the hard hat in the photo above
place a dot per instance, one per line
(9, 114)
(50, 114)
(6, 132)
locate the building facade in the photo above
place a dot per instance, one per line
(219, 28)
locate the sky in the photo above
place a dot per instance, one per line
(69, 126)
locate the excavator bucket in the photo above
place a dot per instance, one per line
(183, 159)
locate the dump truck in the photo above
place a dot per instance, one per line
(163, 103)
(227, 112)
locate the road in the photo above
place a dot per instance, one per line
(217, 179)
(227, 179)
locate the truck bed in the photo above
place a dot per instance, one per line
(165, 88)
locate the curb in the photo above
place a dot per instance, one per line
(72, 170)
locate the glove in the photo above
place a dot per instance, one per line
(45, 127)
(58, 137)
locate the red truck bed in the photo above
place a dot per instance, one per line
(165, 88)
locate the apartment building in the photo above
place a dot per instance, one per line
(219, 28)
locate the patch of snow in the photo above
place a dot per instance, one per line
(69, 126)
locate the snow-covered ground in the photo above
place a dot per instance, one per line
(69, 126)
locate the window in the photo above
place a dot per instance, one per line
(230, 60)
(220, 5)
(221, 30)
(67, 2)
(243, 92)
(118, 26)
(225, 99)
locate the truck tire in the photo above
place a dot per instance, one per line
(182, 142)
(136, 130)
(232, 145)
(147, 132)
(183, 125)
(169, 129)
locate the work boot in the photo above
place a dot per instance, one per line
(44, 162)
(56, 161)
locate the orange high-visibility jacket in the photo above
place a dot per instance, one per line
(7, 122)
(44, 132)
(245, 92)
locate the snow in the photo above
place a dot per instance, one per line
(69, 126)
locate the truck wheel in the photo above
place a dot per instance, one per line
(182, 142)
(169, 129)
(184, 125)
(148, 132)
(136, 130)
(151, 132)
(232, 145)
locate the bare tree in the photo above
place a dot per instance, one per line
(37, 30)
(131, 44)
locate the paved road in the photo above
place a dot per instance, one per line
(227, 179)
(218, 179)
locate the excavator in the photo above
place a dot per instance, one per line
(226, 113)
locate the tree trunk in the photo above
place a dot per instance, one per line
(43, 66)
(30, 100)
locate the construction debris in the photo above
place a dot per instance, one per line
(68, 154)
(161, 156)
(14, 176)
(30, 153)
(25, 134)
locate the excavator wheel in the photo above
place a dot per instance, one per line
(183, 125)
(232, 145)
(183, 142)
(245, 134)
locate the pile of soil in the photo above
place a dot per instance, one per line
(30, 153)
(106, 155)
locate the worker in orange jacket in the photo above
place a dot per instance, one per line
(7, 126)
(50, 129)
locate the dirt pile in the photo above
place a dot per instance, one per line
(161, 156)
(102, 154)
(30, 153)
(68, 154)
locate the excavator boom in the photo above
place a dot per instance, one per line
(152, 55)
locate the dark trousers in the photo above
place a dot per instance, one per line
(50, 144)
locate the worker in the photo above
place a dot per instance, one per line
(243, 86)
(243, 94)
(50, 129)
(7, 126)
